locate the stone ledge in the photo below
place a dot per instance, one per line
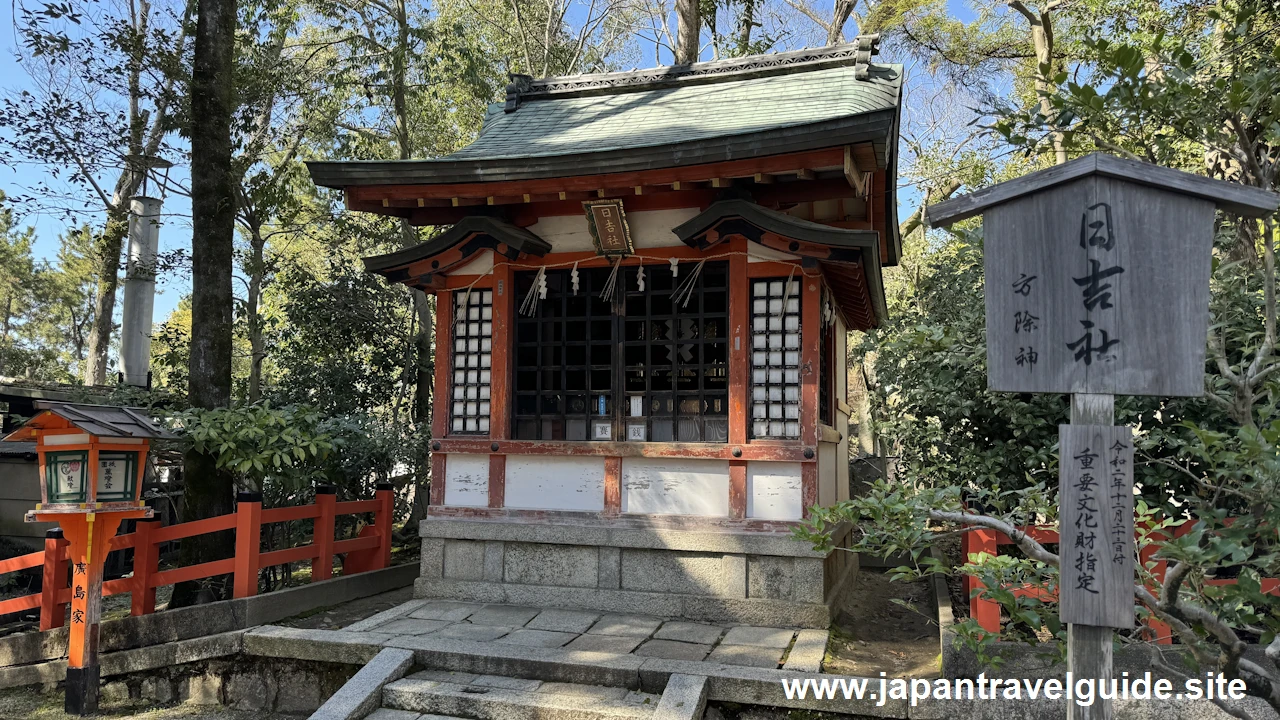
(180, 624)
(684, 698)
(629, 533)
(338, 646)
(726, 683)
(362, 694)
(741, 611)
(130, 661)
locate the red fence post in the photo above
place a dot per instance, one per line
(985, 612)
(386, 497)
(142, 596)
(322, 532)
(1161, 631)
(52, 613)
(248, 543)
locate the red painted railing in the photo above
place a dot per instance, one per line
(370, 550)
(987, 612)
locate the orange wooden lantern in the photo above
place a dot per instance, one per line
(92, 462)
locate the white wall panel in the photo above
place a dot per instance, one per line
(481, 264)
(675, 487)
(774, 491)
(539, 482)
(466, 480)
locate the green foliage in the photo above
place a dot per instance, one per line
(931, 400)
(261, 445)
(341, 342)
(46, 308)
(1194, 84)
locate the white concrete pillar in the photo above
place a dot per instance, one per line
(139, 290)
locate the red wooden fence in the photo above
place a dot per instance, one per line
(987, 612)
(370, 550)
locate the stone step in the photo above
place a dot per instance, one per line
(389, 714)
(492, 697)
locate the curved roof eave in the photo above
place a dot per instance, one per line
(514, 237)
(874, 126)
(778, 223)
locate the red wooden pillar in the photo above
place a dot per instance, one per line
(810, 327)
(613, 486)
(739, 372)
(90, 535)
(386, 497)
(142, 597)
(249, 542)
(500, 379)
(985, 612)
(322, 533)
(440, 401)
(1162, 632)
(52, 613)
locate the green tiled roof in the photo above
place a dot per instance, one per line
(665, 116)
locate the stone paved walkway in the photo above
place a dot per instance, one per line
(643, 635)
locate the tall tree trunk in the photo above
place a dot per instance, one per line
(839, 16)
(424, 371)
(746, 21)
(1042, 40)
(4, 337)
(257, 271)
(208, 491)
(687, 29)
(107, 261)
(1041, 24)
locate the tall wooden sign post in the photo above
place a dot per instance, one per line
(1097, 285)
(92, 463)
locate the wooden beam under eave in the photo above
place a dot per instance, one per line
(853, 174)
(803, 174)
(764, 178)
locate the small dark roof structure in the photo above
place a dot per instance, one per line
(849, 259)
(467, 237)
(1232, 197)
(101, 420)
(25, 450)
(664, 117)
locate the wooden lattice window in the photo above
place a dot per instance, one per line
(775, 358)
(564, 358)
(643, 368)
(675, 355)
(472, 359)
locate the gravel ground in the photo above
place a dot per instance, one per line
(873, 633)
(28, 704)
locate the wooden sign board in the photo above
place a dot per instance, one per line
(609, 230)
(1096, 543)
(1098, 285)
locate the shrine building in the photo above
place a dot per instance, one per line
(643, 287)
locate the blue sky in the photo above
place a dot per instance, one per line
(49, 224)
(176, 230)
